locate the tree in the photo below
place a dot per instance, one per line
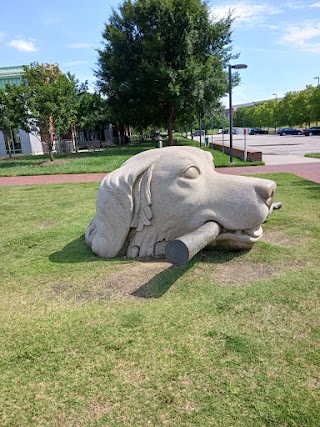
(315, 103)
(51, 100)
(163, 61)
(13, 112)
(93, 112)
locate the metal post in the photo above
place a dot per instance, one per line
(223, 132)
(200, 128)
(245, 145)
(275, 125)
(230, 115)
(237, 67)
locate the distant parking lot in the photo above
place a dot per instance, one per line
(277, 149)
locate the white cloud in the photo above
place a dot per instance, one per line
(74, 63)
(23, 45)
(294, 5)
(52, 20)
(245, 12)
(304, 36)
(79, 45)
(315, 5)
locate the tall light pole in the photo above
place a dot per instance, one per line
(315, 78)
(236, 67)
(275, 125)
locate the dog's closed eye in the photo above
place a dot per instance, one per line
(192, 172)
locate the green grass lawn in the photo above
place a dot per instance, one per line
(86, 162)
(232, 339)
(313, 155)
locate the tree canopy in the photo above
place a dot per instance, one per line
(13, 112)
(297, 108)
(163, 61)
(52, 100)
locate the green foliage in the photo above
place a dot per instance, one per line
(313, 155)
(13, 111)
(58, 103)
(315, 104)
(163, 62)
(92, 112)
(52, 100)
(50, 95)
(295, 109)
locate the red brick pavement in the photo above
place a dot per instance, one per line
(310, 171)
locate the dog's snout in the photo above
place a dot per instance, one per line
(266, 189)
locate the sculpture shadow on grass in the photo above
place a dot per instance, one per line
(74, 252)
(158, 285)
(77, 252)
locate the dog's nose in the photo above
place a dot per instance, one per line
(266, 189)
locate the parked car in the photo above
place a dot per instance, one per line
(220, 131)
(314, 130)
(258, 131)
(289, 131)
(198, 133)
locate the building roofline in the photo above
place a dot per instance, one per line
(11, 71)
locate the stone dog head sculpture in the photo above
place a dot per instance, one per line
(162, 194)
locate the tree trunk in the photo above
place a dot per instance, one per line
(50, 151)
(51, 138)
(7, 140)
(9, 148)
(170, 121)
(74, 134)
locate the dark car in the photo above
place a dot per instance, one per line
(289, 131)
(314, 130)
(198, 133)
(258, 131)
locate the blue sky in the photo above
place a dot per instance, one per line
(278, 40)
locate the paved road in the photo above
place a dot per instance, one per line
(278, 150)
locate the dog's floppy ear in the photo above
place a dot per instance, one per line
(123, 201)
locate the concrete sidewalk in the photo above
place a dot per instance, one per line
(310, 171)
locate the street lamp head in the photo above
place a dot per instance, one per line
(239, 66)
